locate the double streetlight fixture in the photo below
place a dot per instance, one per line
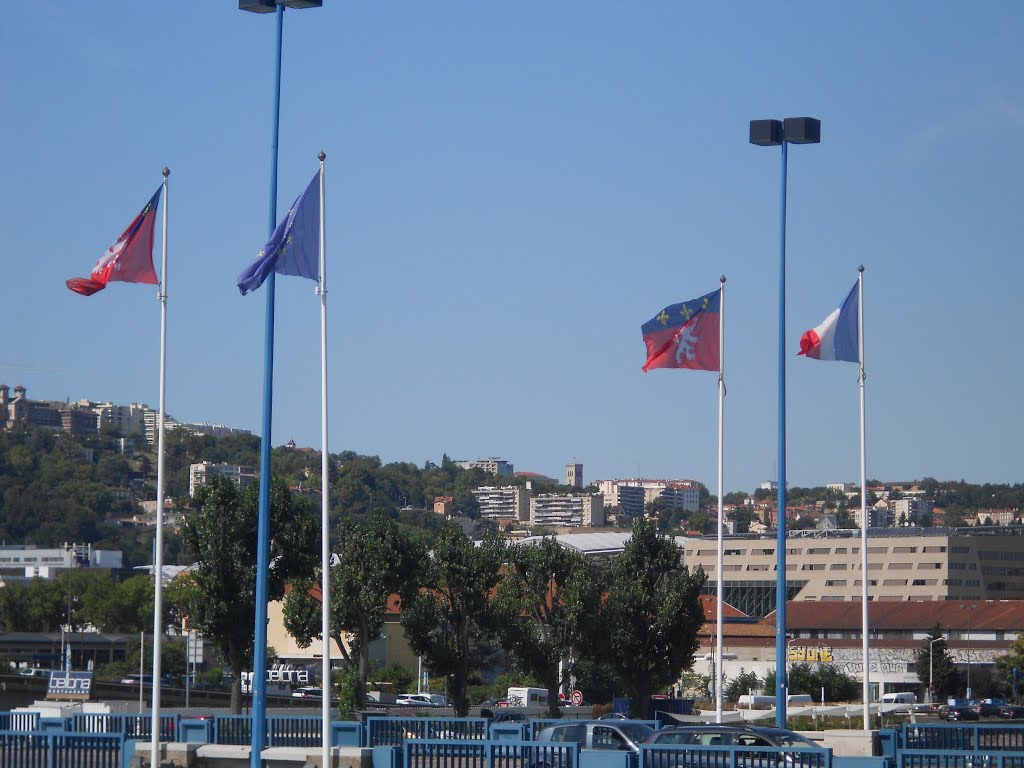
(775, 133)
(270, 6)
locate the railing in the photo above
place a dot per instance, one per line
(448, 753)
(132, 726)
(25, 749)
(282, 730)
(19, 721)
(954, 736)
(393, 731)
(232, 729)
(693, 756)
(944, 758)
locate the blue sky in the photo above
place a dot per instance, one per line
(513, 189)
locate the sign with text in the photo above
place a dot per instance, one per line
(69, 686)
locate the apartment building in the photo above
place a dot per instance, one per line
(200, 474)
(509, 502)
(911, 511)
(567, 509)
(497, 467)
(633, 494)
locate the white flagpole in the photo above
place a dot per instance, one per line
(721, 507)
(158, 559)
(861, 376)
(325, 520)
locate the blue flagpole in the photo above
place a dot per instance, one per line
(259, 670)
(781, 683)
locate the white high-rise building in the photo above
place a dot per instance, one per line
(200, 474)
(508, 502)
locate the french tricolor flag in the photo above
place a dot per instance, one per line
(836, 337)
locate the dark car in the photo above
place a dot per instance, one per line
(1012, 712)
(504, 716)
(958, 714)
(984, 709)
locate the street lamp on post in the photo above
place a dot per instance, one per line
(775, 133)
(259, 682)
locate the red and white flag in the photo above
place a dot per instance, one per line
(129, 259)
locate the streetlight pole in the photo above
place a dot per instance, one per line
(931, 666)
(774, 133)
(970, 612)
(259, 682)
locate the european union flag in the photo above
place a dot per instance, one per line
(294, 248)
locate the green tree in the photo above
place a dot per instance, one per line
(444, 621)
(934, 662)
(742, 684)
(651, 614)
(547, 602)
(222, 537)
(811, 678)
(1005, 665)
(375, 559)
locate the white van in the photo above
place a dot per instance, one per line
(904, 697)
(527, 697)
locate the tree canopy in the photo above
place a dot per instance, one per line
(547, 602)
(375, 559)
(222, 536)
(651, 614)
(445, 620)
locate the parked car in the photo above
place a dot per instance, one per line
(504, 716)
(308, 692)
(35, 673)
(626, 735)
(137, 679)
(739, 735)
(494, 703)
(418, 700)
(984, 709)
(958, 713)
(731, 736)
(1012, 712)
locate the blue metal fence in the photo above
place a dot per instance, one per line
(692, 756)
(468, 753)
(393, 731)
(944, 758)
(26, 749)
(956, 736)
(19, 721)
(132, 726)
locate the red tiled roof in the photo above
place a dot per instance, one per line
(911, 615)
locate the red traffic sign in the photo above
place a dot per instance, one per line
(576, 698)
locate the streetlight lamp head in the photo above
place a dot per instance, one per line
(766, 133)
(269, 6)
(257, 6)
(802, 130)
